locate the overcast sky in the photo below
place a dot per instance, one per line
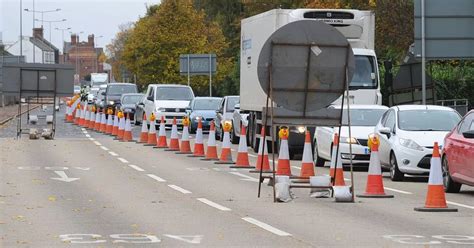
(98, 17)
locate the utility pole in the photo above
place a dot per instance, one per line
(50, 30)
(423, 58)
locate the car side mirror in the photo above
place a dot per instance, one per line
(103, 93)
(237, 106)
(218, 111)
(468, 134)
(385, 130)
(149, 98)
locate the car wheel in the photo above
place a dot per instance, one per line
(318, 161)
(395, 174)
(234, 139)
(450, 186)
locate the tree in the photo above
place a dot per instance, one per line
(116, 48)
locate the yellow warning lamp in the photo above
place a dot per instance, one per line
(120, 115)
(110, 111)
(283, 133)
(78, 106)
(152, 117)
(185, 121)
(373, 141)
(227, 126)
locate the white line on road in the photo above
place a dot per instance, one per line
(104, 148)
(88, 136)
(135, 167)
(123, 160)
(266, 226)
(97, 143)
(177, 188)
(213, 204)
(83, 129)
(157, 178)
(460, 205)
(246, 178)
(398, 191)
(113, 154)
(91, 139)
(251, 155)
(295, 167)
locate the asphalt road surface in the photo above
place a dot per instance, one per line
(85, 189)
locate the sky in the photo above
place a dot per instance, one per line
(98, 17)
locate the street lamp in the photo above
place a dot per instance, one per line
(42, 14)
(62, 33)
(63, 20)
(96, 60)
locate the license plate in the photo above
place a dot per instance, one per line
(366, 151)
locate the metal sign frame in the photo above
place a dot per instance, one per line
(186, 66)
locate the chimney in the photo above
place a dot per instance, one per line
(38, 32)
(90, 40)
(74, 39)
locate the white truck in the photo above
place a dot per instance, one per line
(356, 25)
(98, 79)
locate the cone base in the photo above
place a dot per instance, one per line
(160, 147)
(374, 196)
(129, 141)
(172, 150)
(184, 152)
(196, 156)
(423, 209)
(242, 167)
(224, 162)
(258, 171)
(209, 159)
(141, 142)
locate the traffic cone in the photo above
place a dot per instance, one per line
(162, 142)
(92, 118)
(336, 171)
(242, 154)
(307, 163)
(198, 142)
(121, 127)
(174, 142)
(374, 188)
(283, 168)
(103, 122)
(116, 124)
(226, 153)
(110, 122)
(78, 114)
(185, 145)
(98, 118)
(435, 198)
(87, 117)
(263, 164)
(127, 134)
(68, 108)
(211, 153)
(83, 115)
(144, 132)
(151, 141)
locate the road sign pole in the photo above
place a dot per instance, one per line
(423, 59)
(210, 75)
(189, 76)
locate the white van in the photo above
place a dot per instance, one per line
(168, 100)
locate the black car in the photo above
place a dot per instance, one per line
(114, 92)
(128, 103)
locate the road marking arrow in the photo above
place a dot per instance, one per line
(63, 177)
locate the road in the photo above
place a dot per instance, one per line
(85, 189)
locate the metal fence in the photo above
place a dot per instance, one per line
(7, 100)
(460, 105)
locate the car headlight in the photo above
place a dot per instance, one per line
(408, 143)
(197, 118)
(350, 140)
(301, 129)
(111, 102)
(127, 110)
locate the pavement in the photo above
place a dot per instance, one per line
(85, 189)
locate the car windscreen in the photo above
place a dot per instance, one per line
(174, 93)
(365, 75)
(206, 104)
(121, 89)
(363, 117)
(427, 120)
(231, 102)
(131, 99)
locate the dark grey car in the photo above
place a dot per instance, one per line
(114, 92)
(128, 103)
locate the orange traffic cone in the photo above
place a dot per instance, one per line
(127, 134)
(185, 145)
(110, 122)
(374, 188)
(87, 117)
(77, 115)
(116, 124)
(435, 198)
(242, 154)
(211, 153)
(174, 142)
(283, 168)
(98, 119)
(198, 142)
(162, 142)
(307, 163)
(263, 164)
(336, 171)
(92, 118)
(103, 122)
(152, 131)
(83, 115)
(121, 128)
(144, 132)
(226, 154)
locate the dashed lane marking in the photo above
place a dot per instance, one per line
(266, 226)
(88, 136)
(91, 139)
(460, 205)
(123, 160)
(104, 148)
(157, 178)
(135, 167)
(97, 143)
(245, 177)
(179, 189)
(213, 204)
(113, 154)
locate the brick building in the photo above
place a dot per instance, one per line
(84, 55)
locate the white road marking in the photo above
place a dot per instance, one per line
(113, 154)
(63, 177)
(135, 167)
(97, 143)
(85, 132)
(398, 191)
(245, 177)
(460, 205)
(216, 169)
(88, 136)
(251, 155)
(123, 160)
(91, 139)
(177, 188)
(213, 204)
(266, 226)
(83, 168)
(157, 178)
(83, 129)
(295, 167)
(192, 239)
(104, 148)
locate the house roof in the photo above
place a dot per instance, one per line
(40, 44)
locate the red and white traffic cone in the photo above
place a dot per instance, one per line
(374, 188)
(127, 134)
(86, 118)
(436, 198)
(211, 153)
(121, 128)
(116, 124)
(174, 139)
(92, 118)
(162, 142)
(103, 122)
(144, 132)
(242, 154)
(284, 168)
(83, 115)
(198, 142)
(98, 119)
(263, 163)
(152, 132)
(67, 114)
(226, 153)
(77, 116)
(185, 145)
(110, 122)
(307, 163)
(335, 170)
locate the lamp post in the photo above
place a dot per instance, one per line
(62, 34)
(96, 60)
(51, 21)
